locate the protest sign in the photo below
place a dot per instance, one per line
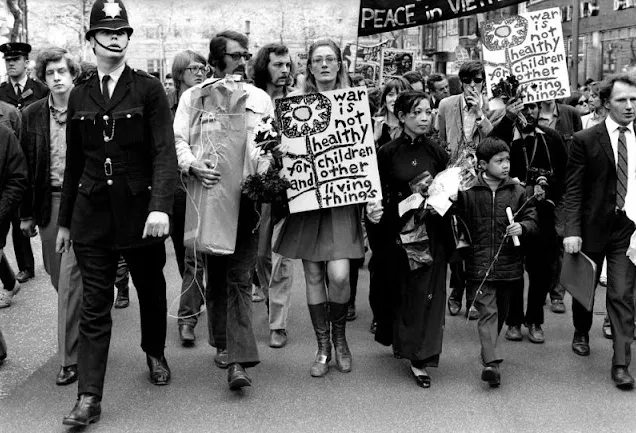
(425, 67)
(354, 54)
(395, 63)
(530, 47)
(331, 160)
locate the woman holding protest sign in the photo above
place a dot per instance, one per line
(325, 239)
(412, 318)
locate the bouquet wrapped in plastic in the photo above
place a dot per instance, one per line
(414, 235)
(459, 175)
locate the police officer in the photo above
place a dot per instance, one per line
(116, 199)
(20, 91)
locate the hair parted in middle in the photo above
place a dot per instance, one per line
(342, 79)
(218, 44)
(260, 73)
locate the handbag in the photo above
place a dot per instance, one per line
(461, 239)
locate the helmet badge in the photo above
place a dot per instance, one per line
(112, 9)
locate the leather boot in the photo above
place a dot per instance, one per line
(122, 300)
(318, 314)
(3, 349)
(338, 318)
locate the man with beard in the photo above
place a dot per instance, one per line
(117, 197)
(537, 158)
(228, 289)
(20, 91)
(599, 214)
(271, 72)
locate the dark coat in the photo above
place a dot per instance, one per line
(13, 178)
(10, 117)
(484, 212)
(35, 141)
(589, 201)
(556, 160)
(568, 122)
(111, 210)
(33, 91)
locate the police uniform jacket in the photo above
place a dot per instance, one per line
(13, 178)
(33, 91)
(120, 163)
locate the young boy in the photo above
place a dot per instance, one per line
(483, 208)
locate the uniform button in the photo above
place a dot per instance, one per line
(106, 139)
(109, 182)
(105, 118)
(128, 116)
(149, 188)
(82, 118)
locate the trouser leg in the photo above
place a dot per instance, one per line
(486, 304)
(69, 301)
(192, 288)
(21, 246)
(178, 227)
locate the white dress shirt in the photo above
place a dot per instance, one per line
(114, 78)
(630, 141)
(22, 84)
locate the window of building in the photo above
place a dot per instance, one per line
(153, 65)
(624, 4)
(452, 27)
(467, 26)
(589, 9)
(566, 13)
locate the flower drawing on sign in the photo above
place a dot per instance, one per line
(305, 115)
(504, 33)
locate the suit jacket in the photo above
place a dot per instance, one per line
(121, 161)
(13, 178)
(35, 141)
(589, 201)
(451, 125)
(568, 122)
(33, 91)
(10, 117)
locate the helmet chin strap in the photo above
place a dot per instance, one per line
(115, 50)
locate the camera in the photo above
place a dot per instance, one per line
(538, 176)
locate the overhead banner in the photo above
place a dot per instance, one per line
(379, 16)
(331, 160)
(530, 47)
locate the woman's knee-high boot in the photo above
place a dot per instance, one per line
(318, 314)
(338, 317)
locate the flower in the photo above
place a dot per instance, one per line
(267, 134)
(268, 187)
(507, 88)
(304, 115)
(504, 33)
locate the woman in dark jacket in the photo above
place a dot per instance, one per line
(410, 309)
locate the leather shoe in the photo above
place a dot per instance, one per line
(557, 306)
(373, 327)
(277, 338)
(66, 375)
(535, 334)
(159, 370)
(87, 410)
(24, 276)
(422, 380)
(351, 313)
(186, 334)
(236, 377)
(472, 313)
(454, 306)
(622, 378)
(513, 333)
(491, 374)
(122, 300)
(581, 344)
(220, 359)
(607, 328)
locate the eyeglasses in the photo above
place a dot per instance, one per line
(196, 70)
(237, 56)
(468, 80)
(583, 102)
(330, 60)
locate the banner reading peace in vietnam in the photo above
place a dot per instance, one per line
(379, 16)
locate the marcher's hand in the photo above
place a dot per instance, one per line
(514, 107)
(474, 100)
(572, 244)
(280, 150)
(514, 229)
(28, 227)
(205, 173)
(375, 211)
(63, 240)
(157, 225)
(539, 192)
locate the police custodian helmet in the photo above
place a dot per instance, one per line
(108, 15)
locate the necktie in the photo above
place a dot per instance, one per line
(621, 169)
(105, 91)
(18, 90)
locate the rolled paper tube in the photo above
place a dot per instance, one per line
(515, 239)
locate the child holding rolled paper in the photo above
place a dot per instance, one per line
(494, 265)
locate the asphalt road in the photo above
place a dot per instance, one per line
(545, 388)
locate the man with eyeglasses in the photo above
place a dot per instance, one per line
(463, 122)
(228, 289)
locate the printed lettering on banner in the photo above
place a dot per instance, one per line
(331, 160)
(530, 47)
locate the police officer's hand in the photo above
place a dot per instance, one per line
(63, 240)
(157, 225)
(205, 173)
(572, 244)
(539, 192)
(28, 227)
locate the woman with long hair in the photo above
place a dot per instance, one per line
(386, 126)
(598, 112)
(414, 318)
(325, 239)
